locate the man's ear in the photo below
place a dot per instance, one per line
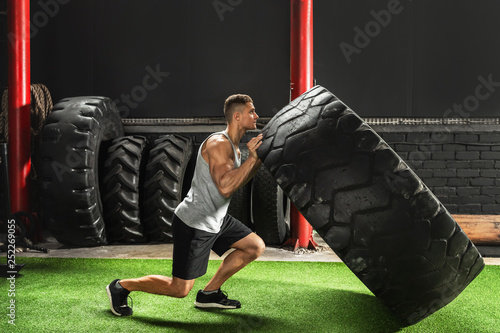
(236, 116)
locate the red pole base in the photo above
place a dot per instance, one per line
(300, 231)
(294, 242)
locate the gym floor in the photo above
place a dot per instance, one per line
(164, 251)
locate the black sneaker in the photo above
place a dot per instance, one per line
(216, 300)
(118, 299)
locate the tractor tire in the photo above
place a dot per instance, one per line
(270, 208)
(368, 205)
(239, 208)
(69, 168)
(165, 171)
(122, 182)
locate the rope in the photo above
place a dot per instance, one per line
(41, 105)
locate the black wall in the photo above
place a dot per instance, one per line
(430, 60)
(201, 52)
(421, 63)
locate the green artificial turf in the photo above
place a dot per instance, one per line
(68, 295)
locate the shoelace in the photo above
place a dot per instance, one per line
(224, 293)
(123, 301)
(226, 299)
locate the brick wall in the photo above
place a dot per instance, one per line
(460, 163)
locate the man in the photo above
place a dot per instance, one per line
(200, 222)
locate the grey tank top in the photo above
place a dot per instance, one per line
(204, 207)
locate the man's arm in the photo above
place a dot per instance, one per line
(220, 156)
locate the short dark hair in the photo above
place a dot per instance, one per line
(232, 102)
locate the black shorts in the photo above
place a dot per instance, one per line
(192, 246)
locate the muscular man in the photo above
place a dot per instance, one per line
(201, 223)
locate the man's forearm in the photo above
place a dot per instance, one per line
(237, 178)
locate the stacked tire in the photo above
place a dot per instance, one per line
(124, 166)
(72, 209)
(163, 185)
(270, 208)
(99, 186)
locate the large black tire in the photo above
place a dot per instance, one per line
(163, 185)
(123, 172)
(69, 163)
(239, 207)
(270, 208)
(368, 205)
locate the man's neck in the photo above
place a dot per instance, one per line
(235, 134)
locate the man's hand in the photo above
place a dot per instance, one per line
(253, 145)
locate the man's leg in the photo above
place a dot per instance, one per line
(118, 290)
(190, 260)
(160, 285)
(246, 250)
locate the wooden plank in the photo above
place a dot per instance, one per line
(481, 229)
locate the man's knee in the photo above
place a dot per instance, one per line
(257, 248)
(181, 293)
(181, 288)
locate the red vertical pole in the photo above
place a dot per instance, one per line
(301, 47)
(19, 102)
(301, 79)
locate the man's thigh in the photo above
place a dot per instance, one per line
(191, 250)
(232, 231)
(250, 242)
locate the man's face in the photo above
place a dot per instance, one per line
(248, 118)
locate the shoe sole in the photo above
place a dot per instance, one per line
(111, 302)
(215, 305)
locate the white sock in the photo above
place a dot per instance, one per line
(119, 286)
(210, 292)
